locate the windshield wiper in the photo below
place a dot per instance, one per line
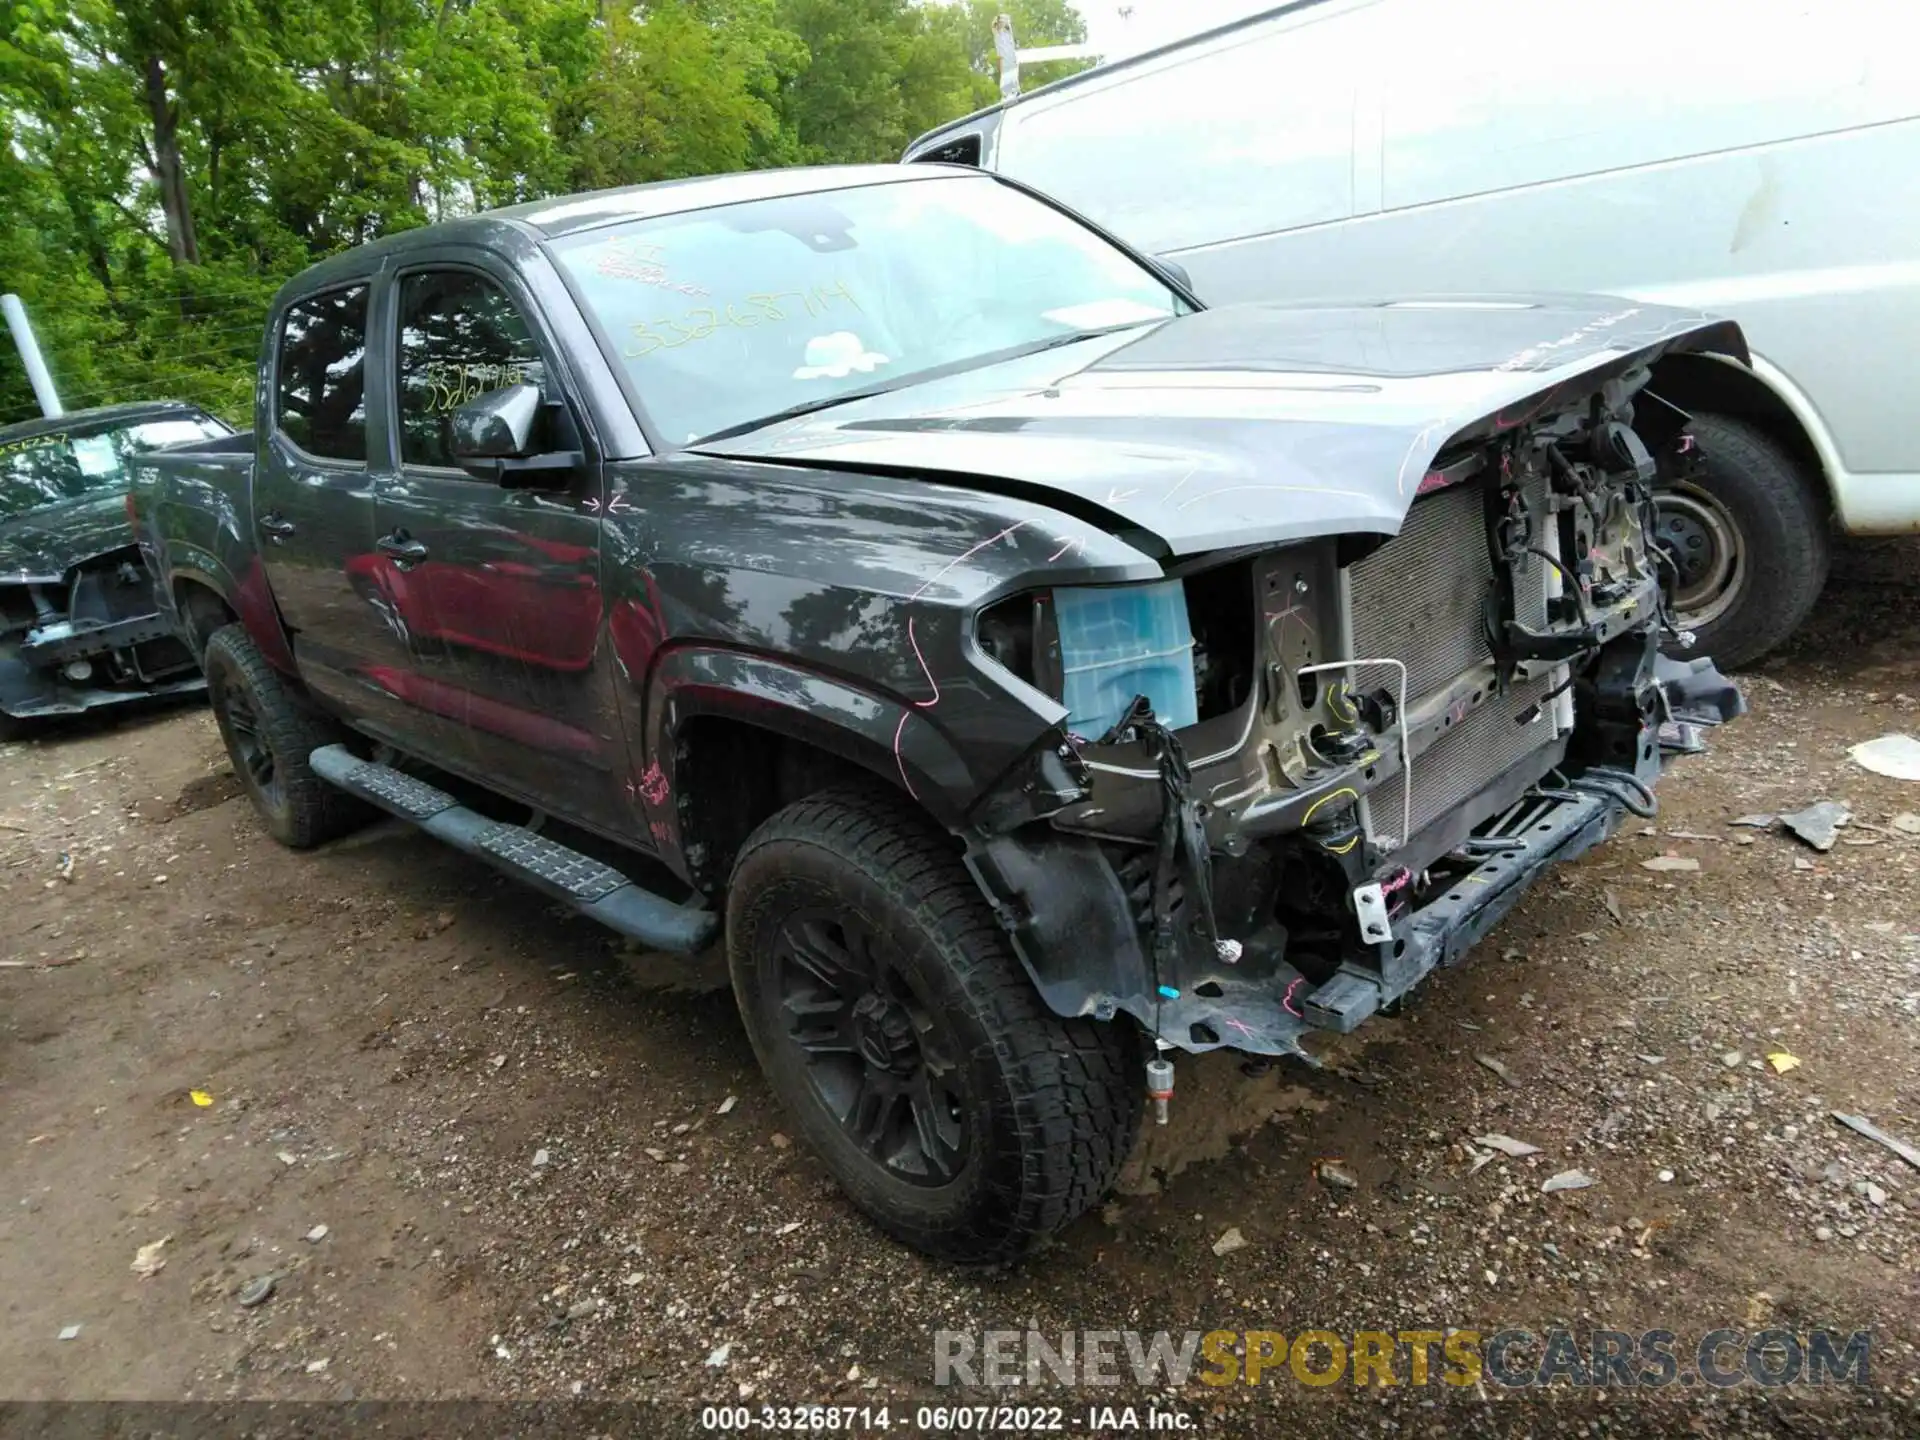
(898, 382)
(805, 407)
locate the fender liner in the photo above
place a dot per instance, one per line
(250, 597)
(891, 739)
(1060, 902)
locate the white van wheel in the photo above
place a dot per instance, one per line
(1704, 544)
(1748, 539)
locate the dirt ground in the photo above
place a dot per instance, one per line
(483, 1153)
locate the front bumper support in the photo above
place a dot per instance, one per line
(1446, 927)
(61, 641)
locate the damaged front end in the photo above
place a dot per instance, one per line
(79, 626)
(87, 637)
(1361, 749)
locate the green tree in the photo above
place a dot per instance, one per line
(680, 89)
(166, 164)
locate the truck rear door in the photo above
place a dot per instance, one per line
(313, 502)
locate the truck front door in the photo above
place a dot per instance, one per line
(499, 588)
(313, 502)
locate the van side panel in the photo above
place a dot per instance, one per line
(1492, 95)
(1250, 132)
(1743, 160)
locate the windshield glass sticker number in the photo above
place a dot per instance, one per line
(762, 307)
(642, 263)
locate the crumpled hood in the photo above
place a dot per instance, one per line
(1247, 424)
(42, 544)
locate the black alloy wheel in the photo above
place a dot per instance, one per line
(879, 1057)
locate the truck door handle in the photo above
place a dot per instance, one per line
(402, 547)
(274, 527)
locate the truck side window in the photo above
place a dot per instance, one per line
(321, 404)
(460, 337)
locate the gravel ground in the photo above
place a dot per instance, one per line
(480, 1151)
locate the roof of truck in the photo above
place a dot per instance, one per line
(99, 417)
(1106, 68)
(566, 213)
(537, 220)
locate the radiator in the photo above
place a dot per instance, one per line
(1421, 598)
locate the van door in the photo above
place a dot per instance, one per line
(313, 501)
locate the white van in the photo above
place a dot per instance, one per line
(1755, 158)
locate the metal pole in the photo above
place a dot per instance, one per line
(1003, 46)
(29, 347)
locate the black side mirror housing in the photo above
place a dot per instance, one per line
(493, 437)
(497, 425)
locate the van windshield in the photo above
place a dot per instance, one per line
(729, 315)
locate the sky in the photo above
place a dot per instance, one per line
(1155, 22)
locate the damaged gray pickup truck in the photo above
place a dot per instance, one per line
(1038, 674)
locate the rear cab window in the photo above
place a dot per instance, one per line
(320, 390)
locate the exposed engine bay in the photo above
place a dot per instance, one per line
(1384, 739)
(85, 638)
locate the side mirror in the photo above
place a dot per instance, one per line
(1176, 272)
(494, 433)
(497, 425)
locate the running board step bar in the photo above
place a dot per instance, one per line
(595, 890)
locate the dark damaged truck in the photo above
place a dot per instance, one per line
(78, 628)
(1036, 674)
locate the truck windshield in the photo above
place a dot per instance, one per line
(61, 465)
(729, 315)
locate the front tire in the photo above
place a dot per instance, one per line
(908, 1043)
(1749, 540)
(269, 732)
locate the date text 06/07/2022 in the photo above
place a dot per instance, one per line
(947, 1419)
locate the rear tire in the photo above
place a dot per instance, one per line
(1749, 537)
(270, 731)
(908, 1043)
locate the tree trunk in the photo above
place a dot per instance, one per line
(182, 243)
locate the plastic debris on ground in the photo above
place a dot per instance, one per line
(147, 1260)
(1497, 1068)
(1896, 756)
(1329, 1172)
(1782, 1062)
(1820, 823)
(1507, 1145)
(1860, 1125)
(1670, 862)
(200, 1098)
(1567, 1180)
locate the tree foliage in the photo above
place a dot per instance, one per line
(168, 163)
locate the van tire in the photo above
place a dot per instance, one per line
(1036, 1113)
(1750, 534)
(269, 732)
